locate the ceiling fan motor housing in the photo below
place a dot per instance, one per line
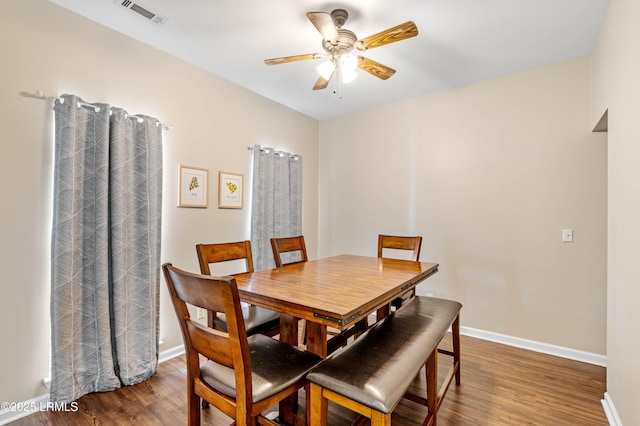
(345, 44)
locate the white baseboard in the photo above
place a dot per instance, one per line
(34, 404)
(610, 411)
(546, 348)
(167, 354)
(23, 409)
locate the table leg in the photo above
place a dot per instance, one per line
(288, 334)
(289, 329)
(383, 312)
(317, 338)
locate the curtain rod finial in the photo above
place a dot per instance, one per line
(38, 95)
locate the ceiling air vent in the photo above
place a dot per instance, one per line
(142, 11)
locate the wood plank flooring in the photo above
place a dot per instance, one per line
(501, 385)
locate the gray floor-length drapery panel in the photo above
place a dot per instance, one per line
(105, 249)
(276, 202)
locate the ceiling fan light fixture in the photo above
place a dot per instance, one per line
(326, 69)
(348, 75)
(348, 62)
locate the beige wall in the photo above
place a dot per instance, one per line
(616, 87)
(489, 175)
(48, 48)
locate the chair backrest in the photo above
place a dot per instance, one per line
(400, 243)
(219, 294)
(288, 245)
(224, 252)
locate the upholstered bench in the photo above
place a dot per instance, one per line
(371, 375)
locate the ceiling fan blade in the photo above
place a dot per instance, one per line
(324, 24)
(397, 33)
(375, 68)
(322, 83)
(285, 59)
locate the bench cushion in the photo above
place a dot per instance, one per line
(379, 366)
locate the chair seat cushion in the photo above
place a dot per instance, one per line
(257, 320)
(380, 365)
(275, 365)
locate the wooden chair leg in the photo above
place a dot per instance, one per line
(307, 406)
(193, 407)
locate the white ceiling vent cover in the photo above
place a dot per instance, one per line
(142, 11)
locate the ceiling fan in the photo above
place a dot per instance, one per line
(340, 45)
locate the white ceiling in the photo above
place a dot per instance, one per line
(459, 42)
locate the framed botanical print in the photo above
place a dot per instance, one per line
(230, 190)
(194, 187)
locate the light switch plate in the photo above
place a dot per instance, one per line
(567, 235)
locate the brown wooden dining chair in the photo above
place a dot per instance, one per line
(387, 243)
(256, 319)
(289, 250)
(240, 375)
(289, 246)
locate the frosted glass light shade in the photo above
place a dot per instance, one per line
(325, 69)
(348, 62)
(348, 75)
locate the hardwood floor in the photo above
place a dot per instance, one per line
(501, 385)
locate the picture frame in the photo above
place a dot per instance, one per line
(230, 190)
(193, 186)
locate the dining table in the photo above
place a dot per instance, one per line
(336, 292)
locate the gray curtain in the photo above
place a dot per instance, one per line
(105, 248)
(276, 204)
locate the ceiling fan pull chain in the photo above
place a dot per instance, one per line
(337, 81)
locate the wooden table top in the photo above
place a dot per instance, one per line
(334, 291)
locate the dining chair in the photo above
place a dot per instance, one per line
(256, 319)
(240, 375)
(289, 246)
(388, 243)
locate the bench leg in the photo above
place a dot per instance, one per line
(319, 406)
(380, 419)
(455, 334)
(455, 352)
(431, 368)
